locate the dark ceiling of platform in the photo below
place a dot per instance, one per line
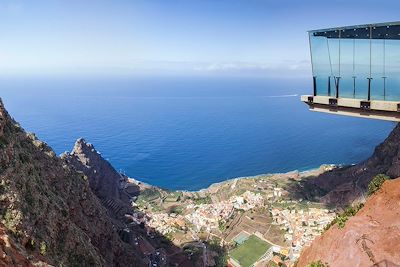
(377, 31)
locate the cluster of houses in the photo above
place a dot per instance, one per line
(204, 216)
(166, 223)
(209, 216)
(247, 201)
(301, 226)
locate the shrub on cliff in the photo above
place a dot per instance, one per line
(318, 264)
(376, 183)
(343, 217)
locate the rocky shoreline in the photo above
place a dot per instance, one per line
(295, 173)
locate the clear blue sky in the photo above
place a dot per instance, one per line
(171, 36)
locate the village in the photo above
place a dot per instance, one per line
(268, 218)
(301, 226)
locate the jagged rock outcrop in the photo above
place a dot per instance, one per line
(343, 185)
(370, 238)
(104, 180)
(48, 210)
(116, 192)
(109, 185)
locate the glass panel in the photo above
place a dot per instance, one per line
(362, 70)
(347, 68)
(334, 60)
(320, 62)
(322, 85)
(392, 69)
(377, 71)
(333, 47)
(351, 55)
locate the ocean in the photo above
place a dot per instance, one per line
(189, 132)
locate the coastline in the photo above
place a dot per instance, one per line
(299, 174)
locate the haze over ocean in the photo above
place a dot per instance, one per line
(189, 132)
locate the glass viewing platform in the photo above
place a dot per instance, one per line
(356, 71)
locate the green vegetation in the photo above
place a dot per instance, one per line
(43, 248)
(12, 219)
(202, 200)
(149, 195)
(169, 236)
(176, 209)
(376, 183)
(250, 251)
(222, 256)
(318, 264)
(342, 218)
(156, 208)
(173, 197)
(221, 226)
(193, 252)
(373, 186)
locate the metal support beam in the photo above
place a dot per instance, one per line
(329, 85)
(314, 85)
(337, 86)
(369, 89)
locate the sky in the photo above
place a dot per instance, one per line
(191, 37)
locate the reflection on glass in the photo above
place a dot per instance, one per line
(347, 68)
(321, 66)
(392, 69)
(361, 62)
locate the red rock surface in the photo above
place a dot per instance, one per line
(10, 253)
(370, 238)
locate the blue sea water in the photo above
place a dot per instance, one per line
(189, 132)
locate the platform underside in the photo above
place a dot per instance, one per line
(374, 109)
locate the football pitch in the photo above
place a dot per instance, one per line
(250, 251)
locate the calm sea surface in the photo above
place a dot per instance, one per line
(187, 133)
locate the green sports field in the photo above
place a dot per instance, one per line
(250, 251)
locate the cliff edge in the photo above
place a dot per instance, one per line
(342, 186)
(370, 238)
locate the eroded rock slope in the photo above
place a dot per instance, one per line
(370, 238)
(48, 210)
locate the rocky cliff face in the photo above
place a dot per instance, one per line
(104, 180)
(48, 212)
(343, 185)
(12, 253)
(111, 187)
(370, 238)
